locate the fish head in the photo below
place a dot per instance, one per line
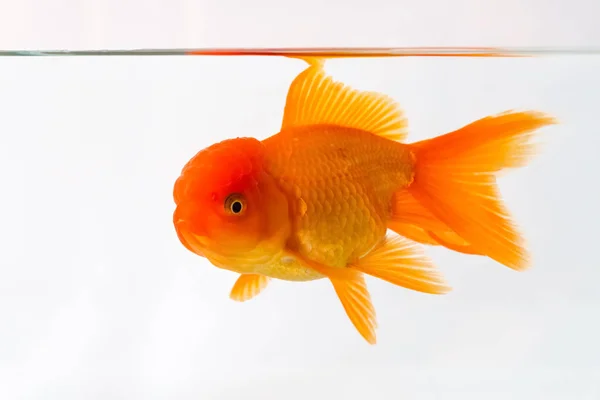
(228, 208)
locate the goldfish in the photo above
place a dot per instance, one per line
(338, 194)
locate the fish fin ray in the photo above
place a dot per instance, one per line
(454, 179)
(402, 262)
(412, 220)
(248, 286)
(314, 98)
(452, 241)
(413, 232)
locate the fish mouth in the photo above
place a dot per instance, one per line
(201, 240)
(194, 243)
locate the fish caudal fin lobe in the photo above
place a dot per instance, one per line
(248, 286)
(455, 180)
(316, 99)
(403, 263)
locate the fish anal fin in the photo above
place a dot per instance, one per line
(413, 232)
(402, 262)
(351, 289)
(412, 220)
(451, 241)
(314, 98)
(248, 286)
(406, 209)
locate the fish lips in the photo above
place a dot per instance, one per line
(192, 241)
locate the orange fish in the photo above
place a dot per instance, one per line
(316, 200)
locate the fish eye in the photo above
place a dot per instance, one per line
(236, 207)
(235, 204)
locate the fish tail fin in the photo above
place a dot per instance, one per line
(454, 179)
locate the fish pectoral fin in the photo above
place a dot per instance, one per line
(403, 263)
(351, 289)
(248, 286)
(314, 98)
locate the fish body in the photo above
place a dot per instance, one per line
(340, 183)
(316, 200)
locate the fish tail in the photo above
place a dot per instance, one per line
(454, 180)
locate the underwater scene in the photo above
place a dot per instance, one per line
(216, 227)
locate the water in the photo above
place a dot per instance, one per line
(329, 52)
(99, 299)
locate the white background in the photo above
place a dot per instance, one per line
(99, 300)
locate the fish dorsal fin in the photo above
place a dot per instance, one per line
(311, 60)
(314, 98)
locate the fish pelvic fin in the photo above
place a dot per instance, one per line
(455, 181)
(356, 300)
(351, 289)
